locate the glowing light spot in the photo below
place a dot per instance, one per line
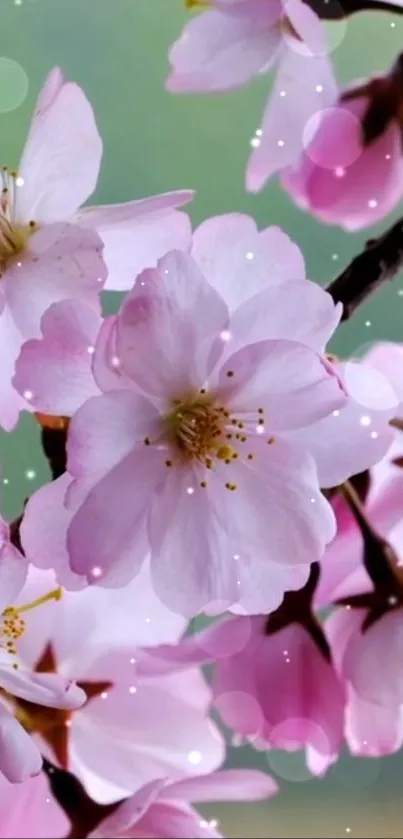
(387, 156)
(319, 88)
(166, 271)
(365, 420)
(90, 350)
(250, 255)
(283, 93)
(260, 429)
(236, 556)
(313, 500)
(336, 413)
(238, 582)
(19, 264)
(115, 361)
(96, 571)
(5, 481)
(392, 25)
(148, 620)
(372, 203)
(368, 323)
(213, 824)
(104, 694)
(132, 689)
(348, 829)
(28, 395)
(68, 723)
(47, 800)
(194, 757)
(392, 600)
(255, 142)
(30, 474)
(225, 335)
(335, 256)
(203, 824)
(190, 490)
(339, 172)
(19, 181)
(132, 661)
(374, 435)
(280, 143)
(259, 132)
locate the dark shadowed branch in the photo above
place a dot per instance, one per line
(378, 263)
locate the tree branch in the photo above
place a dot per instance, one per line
(339, 9)
(378, 263)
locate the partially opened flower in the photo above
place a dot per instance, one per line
(163, 810)
(230, 42)
(351, 170)
(19, 756)
(133, 728)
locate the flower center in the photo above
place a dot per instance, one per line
(199, 430)
(12, 625)
(14, 237)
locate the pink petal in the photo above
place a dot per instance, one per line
(29, 811)
(382, 685)
(138, 233)
(224, 785)
(167, 327)
(286, 378)
(304, 86)
(52, 86)
(19, 756)
(47, 689)
(106, 365)
(106, 429)
(11, 403)
(56, 368)
(276, 313)
(130, 811)
(191, 556)
(263, 584)
(13, 574)
(388, 359)
(62, 156)
(140, 743)
(354, 438)
(62, 262)
(43, 531)
(337, 189)
(110, 522)
(219, 51)
(239, 260)
(277, 513)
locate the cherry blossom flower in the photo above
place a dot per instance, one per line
(19, 756)
(163, 809)
(46, 245)
(155, 462)
(29, 811)
(351, 172)
(119, 740)
(230, 42)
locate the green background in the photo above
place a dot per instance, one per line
(155, 141)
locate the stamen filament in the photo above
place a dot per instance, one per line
(52, 595)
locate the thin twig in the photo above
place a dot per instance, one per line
(339, 9)
(378, 263)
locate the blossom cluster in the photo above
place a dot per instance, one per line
(216, 460)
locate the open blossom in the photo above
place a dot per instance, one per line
(19, 756)
(119, 740)
(351, 171)
(260, 277)
(163, 810)
(191, 445)
(230, 42)
(49, 251)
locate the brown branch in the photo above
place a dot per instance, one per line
(83, 813)
(378, 263)
(339, 9)
(297, 607)
(54, 438)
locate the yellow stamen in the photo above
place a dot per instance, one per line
(56, 594)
